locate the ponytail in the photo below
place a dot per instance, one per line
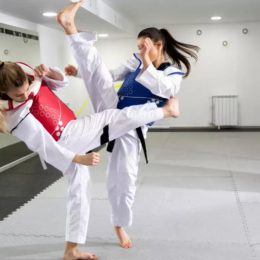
(175, 50)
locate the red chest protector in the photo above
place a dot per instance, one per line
(52, 113)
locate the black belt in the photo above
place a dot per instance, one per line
(140, 135)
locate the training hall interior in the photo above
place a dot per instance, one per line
(198, 197)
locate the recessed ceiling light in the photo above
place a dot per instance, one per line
(216, 18)
(49, 14)
(103, 35)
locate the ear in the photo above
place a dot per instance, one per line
(159, 45)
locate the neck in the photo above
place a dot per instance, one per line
(161, 59)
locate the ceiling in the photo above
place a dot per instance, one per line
(32, 10)
(139, 12)
(145, 12)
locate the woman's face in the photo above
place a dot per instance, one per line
(155, 49)
(19, 94)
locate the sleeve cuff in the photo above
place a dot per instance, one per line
(146, 77)
(65, 164)
(53, 83)
(90, 37)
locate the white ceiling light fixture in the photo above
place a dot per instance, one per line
(103, 35)
(49, 14)
(216, 18)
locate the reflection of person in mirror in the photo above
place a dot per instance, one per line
(148, 77)
(33, 113)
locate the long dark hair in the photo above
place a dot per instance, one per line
(176, 50)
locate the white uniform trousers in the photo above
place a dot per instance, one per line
(122, 173)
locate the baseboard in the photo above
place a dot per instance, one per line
(14, 152)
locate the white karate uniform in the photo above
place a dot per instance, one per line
(123, 162)
(79, 136)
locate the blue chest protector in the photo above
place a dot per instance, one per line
(133, 93)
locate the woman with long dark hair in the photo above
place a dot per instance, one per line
(154, 75)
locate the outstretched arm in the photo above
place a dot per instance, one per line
(124, 69)
(117, 74)
(35, 136)
(54, 77)
(44, 71)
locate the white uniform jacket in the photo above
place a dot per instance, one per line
(164, 83)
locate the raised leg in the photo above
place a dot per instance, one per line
(93, 71)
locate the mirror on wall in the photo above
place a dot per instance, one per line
(17, 44)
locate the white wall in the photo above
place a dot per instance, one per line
(219, 71)
(18, 50)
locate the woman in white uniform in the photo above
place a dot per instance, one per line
(148, 77)
(32, 112)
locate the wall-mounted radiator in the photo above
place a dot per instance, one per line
(225, 111)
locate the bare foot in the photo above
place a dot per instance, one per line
(171, 108)
(73, 253)
(66, 17)
(123, 237)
